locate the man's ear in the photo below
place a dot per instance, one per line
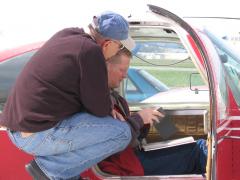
(105, 44)
(104, 49)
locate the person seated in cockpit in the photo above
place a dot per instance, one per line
(184, 159)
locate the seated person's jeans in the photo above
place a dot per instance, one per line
(74, 144)
(185, 159)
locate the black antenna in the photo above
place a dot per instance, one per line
(212, 17)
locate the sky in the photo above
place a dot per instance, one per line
(28, 21)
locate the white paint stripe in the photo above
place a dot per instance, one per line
(219, 141)
(234, 118)
(233, 129)
(228, 121)
(223, 126)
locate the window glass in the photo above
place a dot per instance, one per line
(130, 86)
(132, 92)
(1, 106)
(232, 67)
(9, 70)
(231, 63)
(140, 85)
(161, 69)
(220, 83)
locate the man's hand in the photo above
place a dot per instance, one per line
(149, 115)
(117, 115)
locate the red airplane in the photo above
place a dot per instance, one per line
(191, 56)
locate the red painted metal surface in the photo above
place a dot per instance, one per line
(5, 55)
(236, 157)
(224, 163)
(12, 160)
(235, 131)
(228, 149)
(197, 52)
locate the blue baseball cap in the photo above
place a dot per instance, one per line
(114, 26)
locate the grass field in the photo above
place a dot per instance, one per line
(177, 75)
(187, 63)
(176, 78)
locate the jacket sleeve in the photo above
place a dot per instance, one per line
(134, 120)
(136, 123)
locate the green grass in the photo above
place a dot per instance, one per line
(157, 62)
(176, 78)
(171, 75)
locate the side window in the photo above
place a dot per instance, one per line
(140, 84)
(231, 64)
(212, 43)
(9, 70)
(132, 92)
(232, 67)
(130, 87)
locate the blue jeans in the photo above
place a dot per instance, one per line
(74, 144)
(185, 159)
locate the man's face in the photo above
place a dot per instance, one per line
(118, 71)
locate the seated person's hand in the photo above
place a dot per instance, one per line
(117, 115)
(149, 115)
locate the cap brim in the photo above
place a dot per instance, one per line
(129, 43)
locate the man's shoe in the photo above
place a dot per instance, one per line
(34, 170)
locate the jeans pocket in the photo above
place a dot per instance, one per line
(19, 141)
(52, 146)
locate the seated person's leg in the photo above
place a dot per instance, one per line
(203, 152)
(185, 159)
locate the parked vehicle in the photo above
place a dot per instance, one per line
(140, 85)
(201, 64)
